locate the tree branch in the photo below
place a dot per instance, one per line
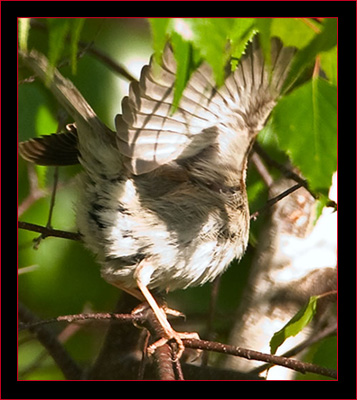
(167, 370)
(296, 365)
(274, 200)
(288, 173)
(124, 318)
(328, 331)
(49, 231)
(92, 49)
(48, 339)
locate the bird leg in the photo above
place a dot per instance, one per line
(132, 291)
(168, 331)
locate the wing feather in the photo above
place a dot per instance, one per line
(149, 135)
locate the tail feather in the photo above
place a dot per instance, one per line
(96, 143)
(58, 149)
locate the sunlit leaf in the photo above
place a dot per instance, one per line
(58, 29)
(264, 27)
(329, 64)
(159, 32)
(322, 42)
(227, 38)
(76, 28)
(45, 124)
(306, 124)
(292, 31)
(24, 28)
(295, 325)
(183, 56)
(218, 31)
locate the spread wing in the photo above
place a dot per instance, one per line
(149, 136)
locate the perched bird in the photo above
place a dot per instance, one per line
(162, 201)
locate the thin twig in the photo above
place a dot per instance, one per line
(288, 173)
(144, 359)
(328, 331)
(90, 48)
(37, 241)
(163, 354)
(62, 337)
(124, 318)
(35, 194)
(29, 268)
(282, 168)
(53, 197)
(48, 339)
(310, 25)
(261, 168)
(274, 200)
(211, 315)
(76, 236)
(46, 232)
(107, 60)
(296, 365)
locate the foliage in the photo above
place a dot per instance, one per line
(309, 134)
(295, 325)
(303, 127)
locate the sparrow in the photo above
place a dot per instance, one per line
(162, 200)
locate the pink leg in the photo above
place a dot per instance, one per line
(160, 314)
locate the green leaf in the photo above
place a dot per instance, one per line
(219, 39)
(295, 325)
(213, 39)
(264, 27)
(242, 32)
(329, 64)
(292, 31)
(218, 31)
(326, 353)
(320, 204)
(159, 31)
(179, 31)
(76, 28)
(323, 353)
(305, 122)
(58, 29)
(183, 56)
(322, 42)
(24, 28)
(45, 124)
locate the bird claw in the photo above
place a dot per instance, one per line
(172, 312)
(169, 333)
(177, 337)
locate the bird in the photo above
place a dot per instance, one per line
(162, 199)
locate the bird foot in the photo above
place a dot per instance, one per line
(177, 337)
(168, 333)
(172, 312)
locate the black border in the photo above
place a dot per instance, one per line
(345, 387)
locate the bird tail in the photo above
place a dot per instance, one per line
(88, 140)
